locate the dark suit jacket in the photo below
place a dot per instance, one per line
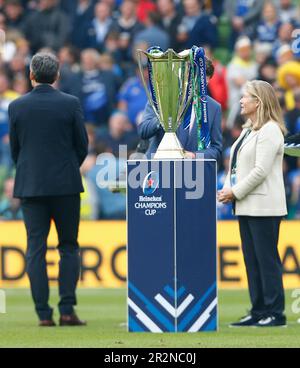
(48, 143)
(150, 128)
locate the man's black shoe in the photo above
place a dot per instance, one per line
(246, 321)
(271, 321)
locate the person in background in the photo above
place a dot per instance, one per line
(81, 13)
(98, 89)
(120, 132)
(47, 27)
(144, 7)
(268, 27)
(284, 37)
(255, 186)
(268, 71)
(170, 20)
(284, 55)
(69, 80)
(153, 34)
(288, 76)
(99, 27)
(111, 206)
(127, 26)
(217, 87)
(204, 32)
(292, 117)
(288, 11)
(240, 69)
(10, 207)
(132, 97)
(191, 13)
(7, 95)
(244, 16)
(15, 14)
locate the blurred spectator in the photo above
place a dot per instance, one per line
(99, 27)
(244, 16)
(289, 80)
(292, 117)
(18, 67)
(268, 71)
(127, 26)
(7, 95)
(240, 70)
(153, 34)
(47, 27)
(9, 47)
(170, 19)
(214, 6)
(10, 208)
(20, 84)
(262, 52)
(144, 7)
(132, 97)
(107, 63)
(267, 30)
(294, 179)
(288, 11)
(69, 81)
(284, 55)
(218, 84)
(112, 47)
(192, 12)
(120, 132)
(284, 37)
(15, 15)
(204, 32)
(98, 89)
(110, 205)
(217, 7)
(82, 13)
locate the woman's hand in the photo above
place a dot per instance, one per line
(225, 195)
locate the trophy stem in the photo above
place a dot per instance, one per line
(169, 148)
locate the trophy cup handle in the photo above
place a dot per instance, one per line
(140, 64)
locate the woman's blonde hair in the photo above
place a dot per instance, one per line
(268, 105)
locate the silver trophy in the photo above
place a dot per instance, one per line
(170, 94)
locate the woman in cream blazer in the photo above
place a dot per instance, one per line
(255, 186)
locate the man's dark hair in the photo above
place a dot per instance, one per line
(210, 69)
(44, 67)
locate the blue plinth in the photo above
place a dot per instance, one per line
(172, 266)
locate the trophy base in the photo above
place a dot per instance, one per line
(169, 148)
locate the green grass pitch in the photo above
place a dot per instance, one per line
(105, 311)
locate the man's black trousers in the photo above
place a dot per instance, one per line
(38, 213)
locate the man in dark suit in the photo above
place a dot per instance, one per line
(48, 145)
(151, 129)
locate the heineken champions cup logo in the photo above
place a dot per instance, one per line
(151, 183)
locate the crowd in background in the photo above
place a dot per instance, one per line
(96, 44)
